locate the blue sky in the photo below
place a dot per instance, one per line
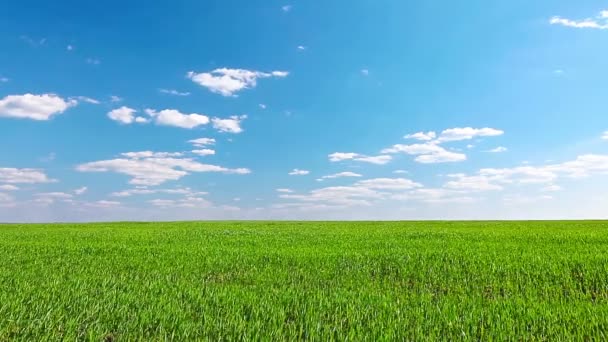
(297, 109)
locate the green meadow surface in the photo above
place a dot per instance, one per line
(318, 281)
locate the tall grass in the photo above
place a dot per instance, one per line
(314, 281)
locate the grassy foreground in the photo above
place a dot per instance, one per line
(317, 281)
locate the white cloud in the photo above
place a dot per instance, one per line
(286, 8)
(378, 160)
(35, 107)
(69, 47)
(151, 154)
(431, 151)
(365, 72)
(8, 187)
(87, 99)
(605, 136)
(173, 92)
(104, 204)
(388, 184)
(124, 115)
(362, 193)
(341, 156)
(81, 191)
(471, 183)
(230, 125)
(172, 117)
(427, 153)
(301, 47)
(498, 149)
(495, 179)
(114, 98)
(150, 171)
(51, 197)
(228, 82)
(468, 133)
(298, 172)
(262, 106)
(25, 176)
(422, 136)
(600, 22)
(400, 172)
(145, 191)
(434, 196)
(55, 195)
(188, 202)
(202, 142)
(337, 196)
(340, 175)
(283, 190)
(4, 79)
(204, 152)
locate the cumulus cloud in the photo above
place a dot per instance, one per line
(431, 151)
(605, 136)
(172, 117)
(298, 172)
(600, 22)
(23, 176)
(230, 125)
(468, 133)
(124, 115)
(204, 152)
(341, 156)
(34, 107)
(424, 136)
(427, 153)
(228, 82)
(155, 169)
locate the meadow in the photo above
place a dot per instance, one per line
(358, 281)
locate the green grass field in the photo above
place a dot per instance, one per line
(315, 281)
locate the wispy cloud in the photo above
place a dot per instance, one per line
(298, 172)
(173, 92)
(599, 22)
